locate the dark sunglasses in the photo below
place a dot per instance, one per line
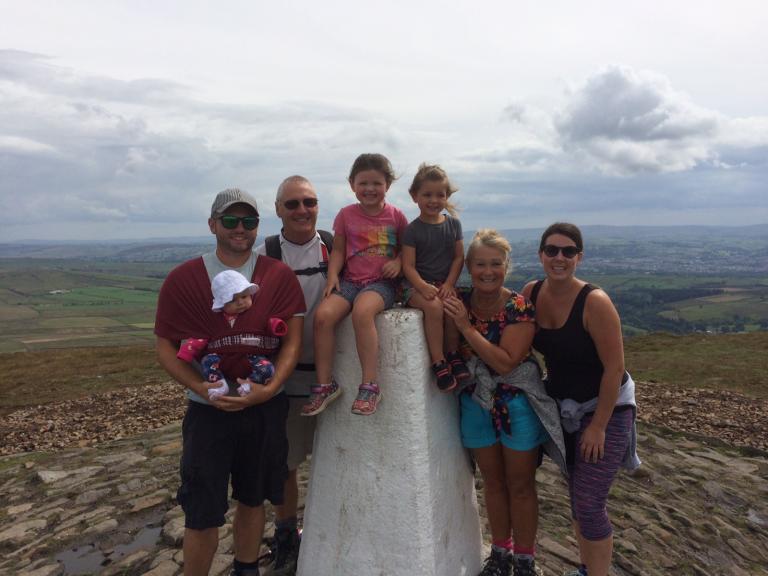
(231, 222)
(568, 251)
(293, 204)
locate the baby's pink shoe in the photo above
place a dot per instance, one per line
(191, 349)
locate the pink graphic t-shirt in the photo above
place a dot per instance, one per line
(371, 240)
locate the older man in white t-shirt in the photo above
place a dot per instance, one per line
(304, 250)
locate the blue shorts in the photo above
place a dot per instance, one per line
(384, 288)
(478, 431)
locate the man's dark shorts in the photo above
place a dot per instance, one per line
(250, 445)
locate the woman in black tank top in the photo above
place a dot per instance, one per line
(579, 335)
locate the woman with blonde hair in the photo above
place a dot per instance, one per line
(506, 416)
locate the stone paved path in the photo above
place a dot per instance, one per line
(691, 509)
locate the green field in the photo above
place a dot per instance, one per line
(44, 306)
(47, 304)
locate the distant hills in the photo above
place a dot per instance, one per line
(706, 250)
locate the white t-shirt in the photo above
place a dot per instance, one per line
(300, 257)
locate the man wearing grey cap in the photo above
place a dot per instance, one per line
(241, 438)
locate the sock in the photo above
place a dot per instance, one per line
(246, 568)
(524, 552)
(287, 524)
(505, 546)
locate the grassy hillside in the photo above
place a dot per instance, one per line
(729, 361)
(51, 305)
(42, 377)
(737, 362)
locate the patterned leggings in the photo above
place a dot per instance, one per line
(589, 483)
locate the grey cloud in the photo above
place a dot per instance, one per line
(90, 150)
(36, 71)
(624, 122)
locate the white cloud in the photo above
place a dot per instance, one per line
(627, 122)
(89, 154)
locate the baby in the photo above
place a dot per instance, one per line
(232, 295)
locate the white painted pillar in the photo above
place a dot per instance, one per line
(392, 493)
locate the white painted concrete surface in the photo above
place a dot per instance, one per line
(392, 493)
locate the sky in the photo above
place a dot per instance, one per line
(123, 119)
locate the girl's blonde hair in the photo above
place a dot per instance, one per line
(433, 173)
(492, 239)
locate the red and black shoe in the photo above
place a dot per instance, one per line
(445, 380)
(458, 368)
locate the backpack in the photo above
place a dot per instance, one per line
(273, 250)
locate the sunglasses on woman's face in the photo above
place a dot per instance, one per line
(293, 204)
(569, 252)
(230, 222)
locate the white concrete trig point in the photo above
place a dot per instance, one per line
(390, 494)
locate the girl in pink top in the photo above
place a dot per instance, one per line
(366, 245)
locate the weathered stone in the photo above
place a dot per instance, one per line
(172, 447)
(133, 485)
(50, 476)
(18, 509)
(102, 527)
(173, 532)
(556, 549)
(19, 533)
(126, 563)
(149, 501)
(162, 556)
(221, 564)
(164, 568)
(86, 516)
(91, 496)
(122, 458)
(48, 570)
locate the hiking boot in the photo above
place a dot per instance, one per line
(497, 564)
(458, 368)
(525, 567)
(248, 572)
(286, 553)
(445, 380)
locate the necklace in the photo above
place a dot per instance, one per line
(493, 308)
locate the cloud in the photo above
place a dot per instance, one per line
(91, 149)
(625, 122)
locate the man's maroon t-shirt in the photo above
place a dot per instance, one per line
(184, 311)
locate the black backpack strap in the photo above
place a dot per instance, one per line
(272, 246)
(327, 239)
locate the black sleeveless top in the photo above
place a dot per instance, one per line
(574, 369)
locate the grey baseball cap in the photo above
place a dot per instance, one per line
(230, 196)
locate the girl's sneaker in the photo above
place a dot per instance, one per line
(445, 380)
(368, 398)
(320, 396)
(458, 368)
(497, 564)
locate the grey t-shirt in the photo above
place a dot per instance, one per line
(435, 246)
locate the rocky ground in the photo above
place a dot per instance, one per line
(733, 418)
(85, 493)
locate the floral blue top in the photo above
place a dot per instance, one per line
(516, 309)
